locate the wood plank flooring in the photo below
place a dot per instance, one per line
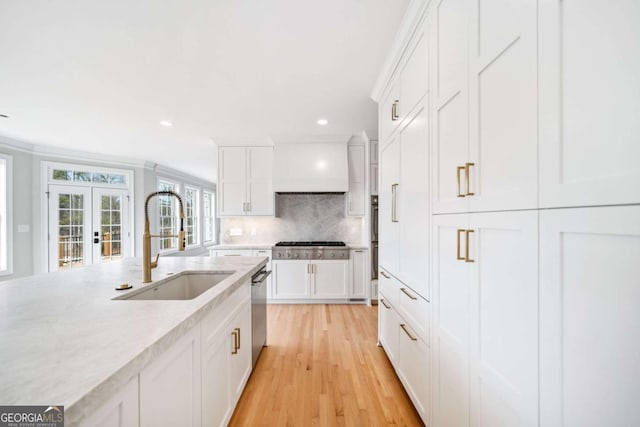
(322, 367)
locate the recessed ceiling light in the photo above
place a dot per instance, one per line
(323, 122)
(166, 123)
(4, 116)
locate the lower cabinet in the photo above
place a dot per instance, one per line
(226, 364)
(170, 393)
(358, 273)
(121, 410)
(408, 352)
(313, 279)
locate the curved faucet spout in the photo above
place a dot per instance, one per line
(147, 265)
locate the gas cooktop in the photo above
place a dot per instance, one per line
(311, 243)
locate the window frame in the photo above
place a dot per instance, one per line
(212, 198)
(176, 215)
(198, 218)
(6, 215)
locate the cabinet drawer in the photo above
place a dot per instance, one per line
(388, 287)
(415, 310)
(413, 368)
(216, 318)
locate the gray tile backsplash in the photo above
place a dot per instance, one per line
(298, 217)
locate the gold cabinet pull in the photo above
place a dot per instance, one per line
(394, 110)
(467, 173)
(385, 275)
(404, 290)
(239, 341)
(388, 307)
(404, 328)
(394, 202)
(458, 169)
(235, 342)
(459, 257)
(466, 249)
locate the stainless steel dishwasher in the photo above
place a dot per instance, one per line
(258, 312)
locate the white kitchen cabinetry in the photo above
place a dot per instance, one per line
(590, 322)
(309, 280)
(357, 176)
(589, 127)
(266, 253)
(408, 352)
(121, 410)
(485, 282)
(404, 204)
(245, 178)
(226, 357)
(373, 173)
(358, 273)
(388, 119)
(231, 252)
(485, 147)
(170, 387)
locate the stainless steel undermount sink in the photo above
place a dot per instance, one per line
(182, 286)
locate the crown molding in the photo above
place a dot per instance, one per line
(309, 139)
(414, 15)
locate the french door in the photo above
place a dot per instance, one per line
(87, 225)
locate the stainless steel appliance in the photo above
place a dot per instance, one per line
(259, 312)
(374, 237)
(310, 250)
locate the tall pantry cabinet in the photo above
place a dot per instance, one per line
(532, 238)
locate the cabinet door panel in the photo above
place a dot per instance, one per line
(290, 279)
(590, 320)
(260, 195)
(170, 388)
(388, 229)
(589, 103)
(241, 360)
(504, 318)
(359, 278)
(389, 329)
(330, 278)
(216, 402)
(356, 195)
(121, 410)
(413, 205)
(386, 120)
(414, 369)
(231, 195)
(451, 317)
(503, 106)
(413, 77)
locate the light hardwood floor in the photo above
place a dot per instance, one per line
(322, 367)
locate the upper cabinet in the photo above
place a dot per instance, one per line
(589, 102)
(245, 176)
(356, 197)
(405, 90)
(485, 112)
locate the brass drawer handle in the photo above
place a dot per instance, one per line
(458, 169)
(385, 275)
(404, 290)
(238, 329)
(404, 328)
(388, 307)
(235, 342)
(459, 257)
(466, 250)
(467, 173)
(394, 110)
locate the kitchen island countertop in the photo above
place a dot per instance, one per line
(64, 341)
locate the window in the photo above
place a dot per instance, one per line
(208, 219)
(77, 176)
(191, 210)
(5, 215)
(167, 215)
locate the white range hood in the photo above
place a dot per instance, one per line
(316, 167)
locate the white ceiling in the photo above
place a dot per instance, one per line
(99, 76)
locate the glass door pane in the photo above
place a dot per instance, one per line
(69, 215)
(110, 225)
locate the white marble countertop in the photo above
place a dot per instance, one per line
(64, 341)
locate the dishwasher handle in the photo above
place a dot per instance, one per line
(259, 277)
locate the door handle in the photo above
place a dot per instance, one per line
(458, 256)
(458, 169)
(466, 250)
(467, 173)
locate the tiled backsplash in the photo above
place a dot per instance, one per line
(298, 217)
